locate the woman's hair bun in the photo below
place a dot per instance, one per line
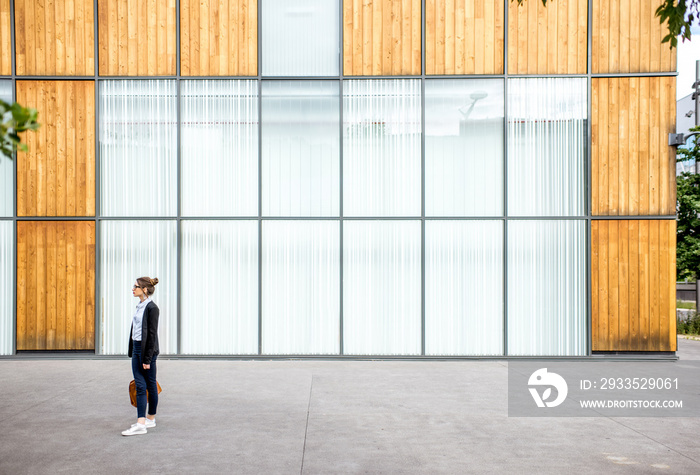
(154, 281)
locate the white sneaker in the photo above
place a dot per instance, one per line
(135, 429)
(150, 423)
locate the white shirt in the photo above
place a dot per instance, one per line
(137, 321)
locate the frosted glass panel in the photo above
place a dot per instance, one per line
(219, 156)
(546, 146)
(300, 38)
(138, 148)
(301, 287)
(546, 288)
(132, 249)
(381, 148)
(220, 287)
(301, 148)
(464, 147)
(464, 287)
(6, 287)
(382, 287)
(6, 165)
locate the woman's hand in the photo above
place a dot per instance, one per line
(146, 366)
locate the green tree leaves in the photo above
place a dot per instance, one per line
(15, 119)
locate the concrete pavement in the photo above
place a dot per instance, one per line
(316, 417)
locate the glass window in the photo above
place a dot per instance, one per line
(546, 288)
(381, 147)
(219, 155)
(6, 287)
(301, 287)
(220, 287)
(300, 38)
(138, 148)
(464, 287)
(6, 165)
(382, 287)
(546, 146)
(464, 147)
(301, 148)
(128, 250)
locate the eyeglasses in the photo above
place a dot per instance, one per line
(136, 287)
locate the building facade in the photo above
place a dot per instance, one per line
(387, 178)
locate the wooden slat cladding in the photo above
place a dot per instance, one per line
(548, 40)
(5, 38)
(56, 177)
(633, 168)
(137, 37)
(55, 285)
(219, 38)
(55, 37)
(627, 38)
(381, 37)
(633, 268)
(464, 37)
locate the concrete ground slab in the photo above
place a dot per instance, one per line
(316, 417)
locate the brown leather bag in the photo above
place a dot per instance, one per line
(132, 391)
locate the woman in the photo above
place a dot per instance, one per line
(143, 350)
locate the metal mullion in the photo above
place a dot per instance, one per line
(98, 248)
(548, 76)
(113, 78)
(13, 72)
(422, 183)
(462, 76)
(341, 333)
(119, 218)
(505, 180)
(659, 217)
(56, 78)
(632, 75)
(178, 232)
(589, 146)
(260, 223)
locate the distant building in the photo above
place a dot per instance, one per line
(685, 119)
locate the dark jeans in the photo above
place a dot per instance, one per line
(145, 380)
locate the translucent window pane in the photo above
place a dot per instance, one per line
(138, 148)
(546, 146)
(464, 287)
(6, 286)
(382, 287)
(220, 282)
(301, 287)
(301, 148)
(382, 147)
(300, 38)
(219, 155)
(132, 249)
(464, 147)
(6, 165)
(546, 288)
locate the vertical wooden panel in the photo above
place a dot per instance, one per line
(383, 37)
(56, 177)
(55, 285)
(5, 39)
(464, 37)
(633, 168)
(137, 37)
(627, 38)
(52, 38)
(548, 40)
(633, 267)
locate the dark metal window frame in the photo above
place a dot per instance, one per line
(98, 218)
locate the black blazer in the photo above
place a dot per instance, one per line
(149, 334)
